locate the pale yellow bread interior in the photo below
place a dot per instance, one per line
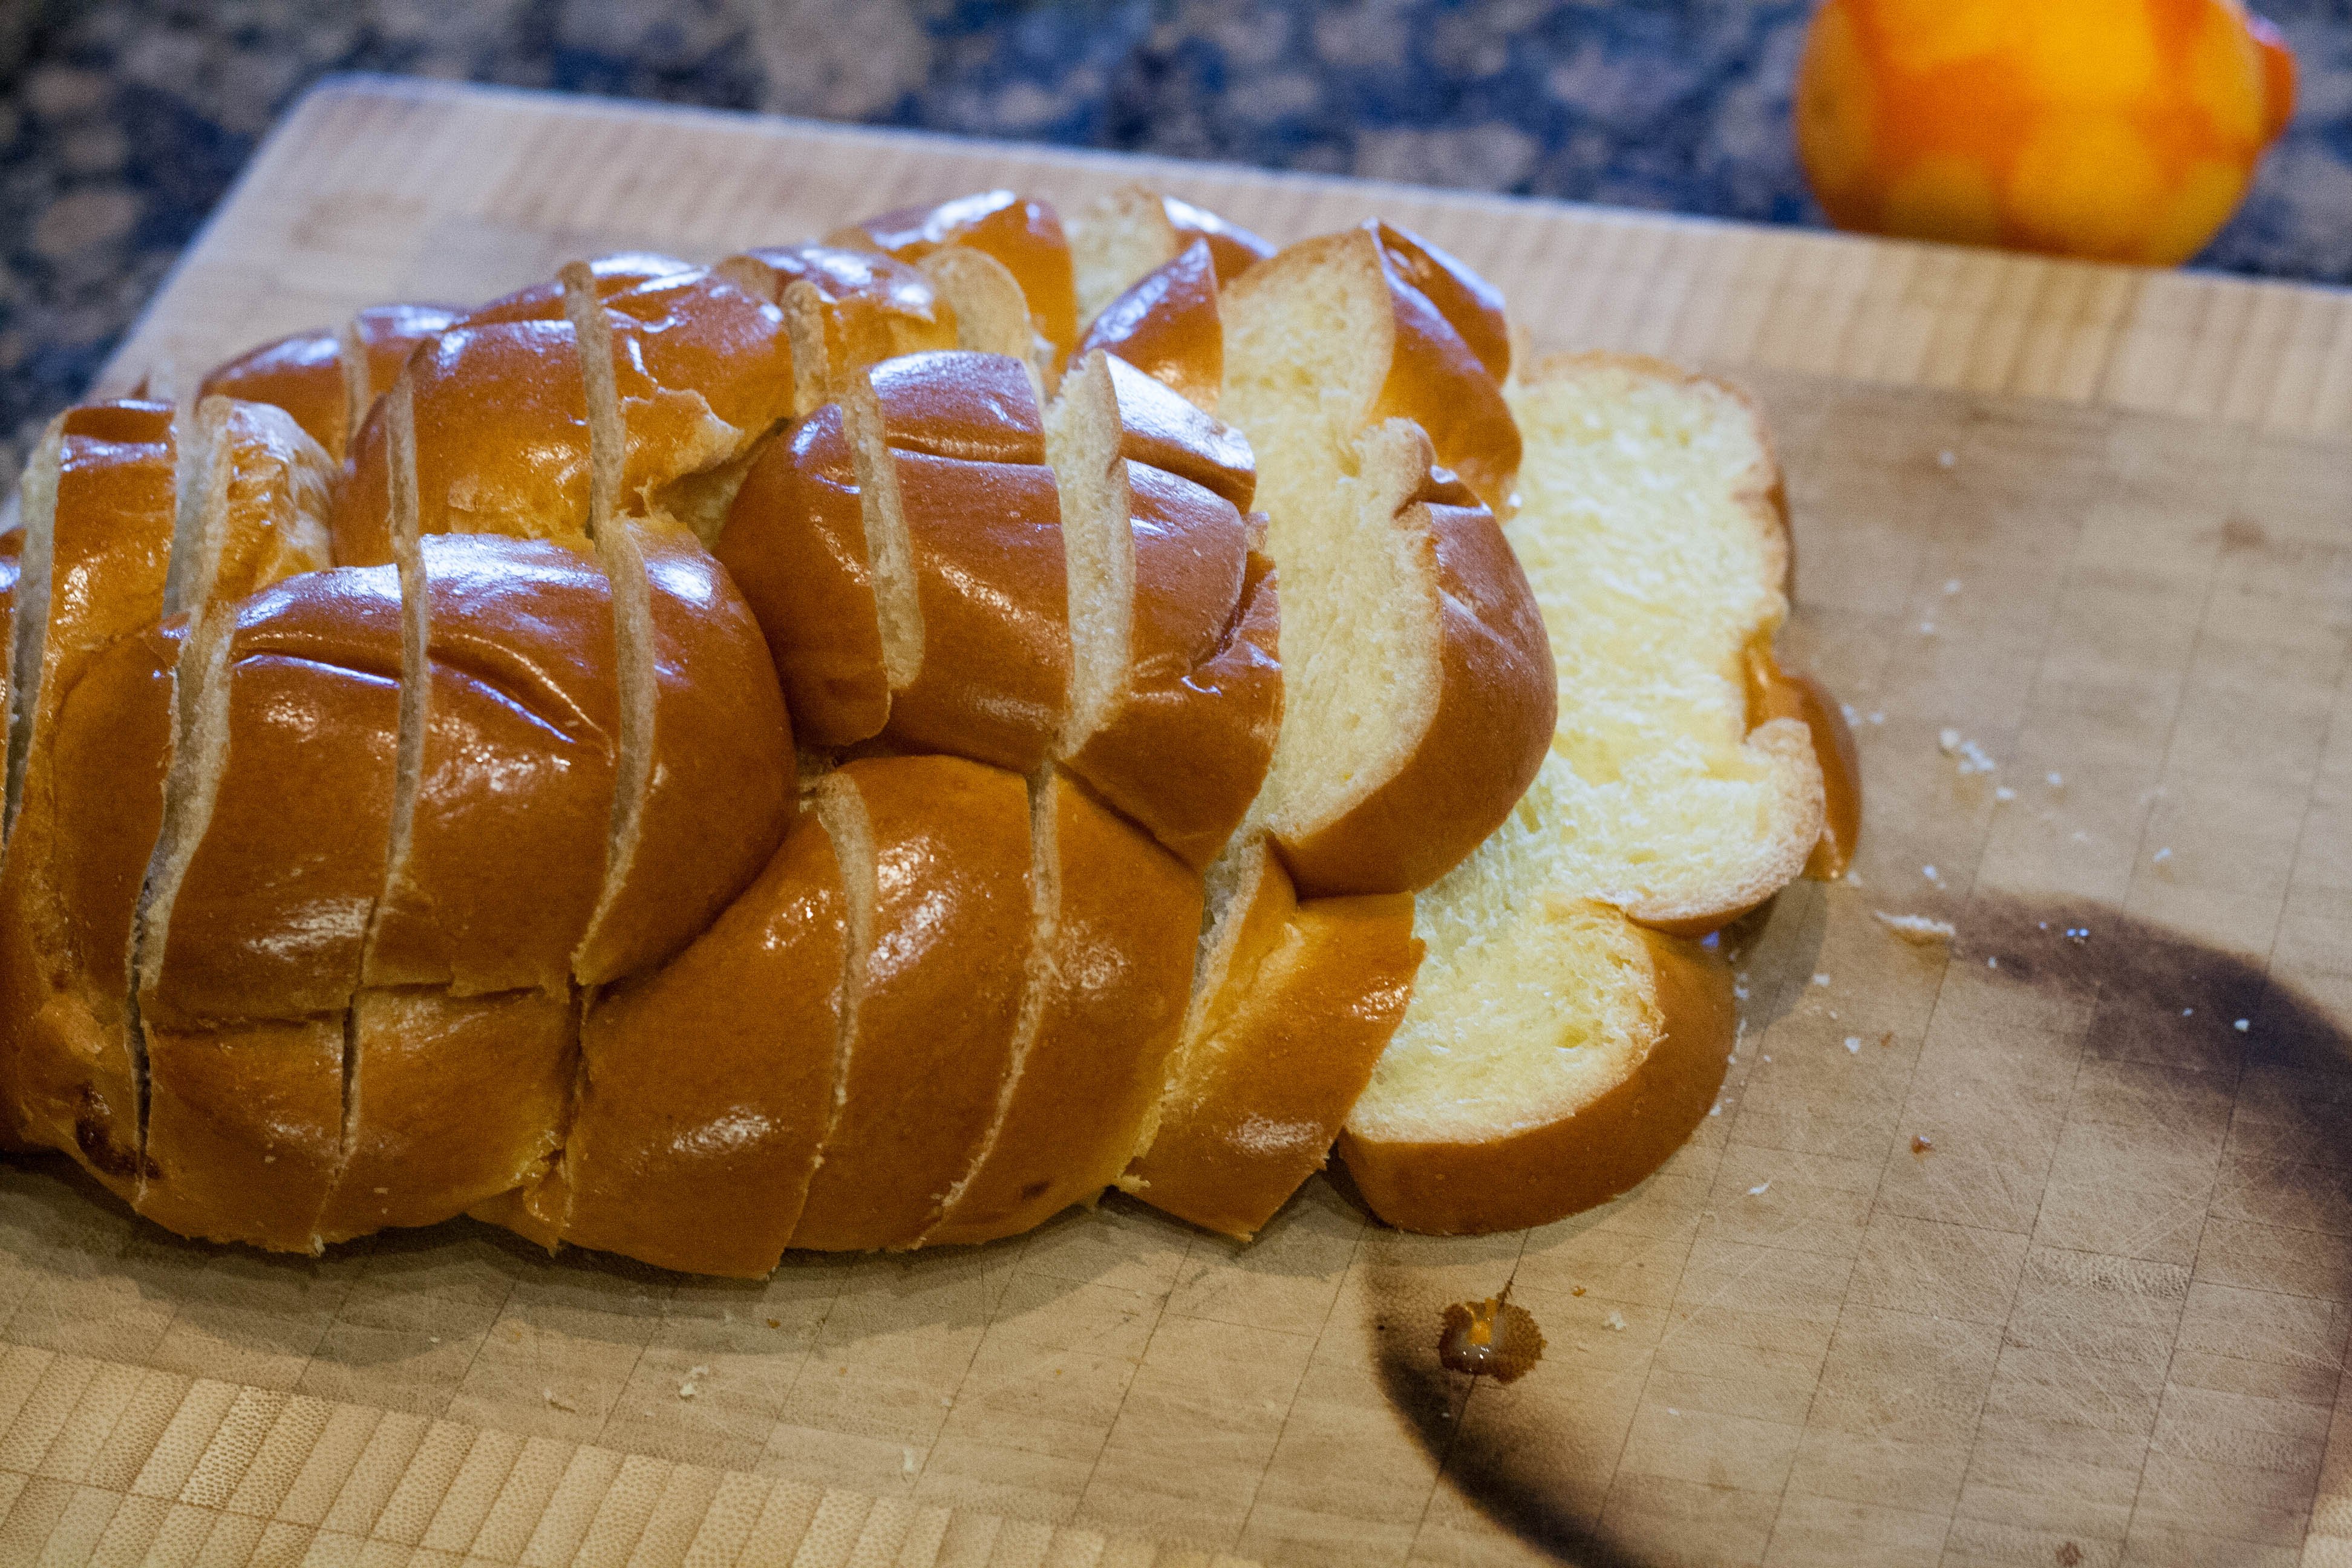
(1558, 1046)
(1532, 998)
(1649, 528)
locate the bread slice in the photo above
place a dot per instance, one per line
(935, 861)
(843, 309)
(1022, 232)
(1417, 693)
(703, 790)
(1173, 613)
(498, 843)
(704, 374)
(1554, 1052)
(1560, 1044)
(1169, 326)
(903, 553)
(1116, 917)
(706, 1085)
(1651, 526)
(96, 717)
(1136, 230)
(447, 1101)
(1292, 1005)
(326, 379)
(1338, 333)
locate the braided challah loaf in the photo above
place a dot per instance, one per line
(824, 750)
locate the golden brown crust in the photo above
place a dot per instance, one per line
(796, 544)
(1206, 690)
(1168, 432)
(982, 517)
(1232, 248)
(1438, 380)
(505, 848)
(1167, 326)
(1496, 707)
(936, 991)
(501, 443)
(1022, 232)
(306, 375)
(270, 921)
(453, 1099)
(244, 1129)
(855, 308)
(1113, 983)
(94, 804)
(1546, 1172)
(718, 791)
(707, 1084)
(1293, 1013)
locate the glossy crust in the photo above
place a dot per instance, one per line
(95, 802)
(796, 544)
(983, 518)
(505, 857)
(1558, 1167)
(91, 785)
(1295, 1003)
(1204, 683)
(1497, 707)
(1022, 232)
(936, 993)
(844, 310)
(706, 1085)
(270, 919)
(310, 375)
(453, 1099)
(718, 789)
(501, 443)
(703, 369)
(1125, 918)
(244, 1129)
(1167, 326)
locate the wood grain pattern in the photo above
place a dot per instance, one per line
(2094, 521)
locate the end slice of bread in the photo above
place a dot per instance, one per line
(1561, 1043)
(1650, 528)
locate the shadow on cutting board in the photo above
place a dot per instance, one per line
(2144, 995)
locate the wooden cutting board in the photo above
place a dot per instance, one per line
(2031, 1249)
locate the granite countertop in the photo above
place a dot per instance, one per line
(123, 121)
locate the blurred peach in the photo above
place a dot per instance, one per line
(2119, 130)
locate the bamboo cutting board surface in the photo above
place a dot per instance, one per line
(2025, 1251)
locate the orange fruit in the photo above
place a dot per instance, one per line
(2118, 129)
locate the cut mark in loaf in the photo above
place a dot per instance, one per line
(1291, 1005)
(1117, 918)
(1650, 528)
(1173, 607)
(936, 867)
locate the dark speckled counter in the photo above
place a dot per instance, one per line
(124, 120)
